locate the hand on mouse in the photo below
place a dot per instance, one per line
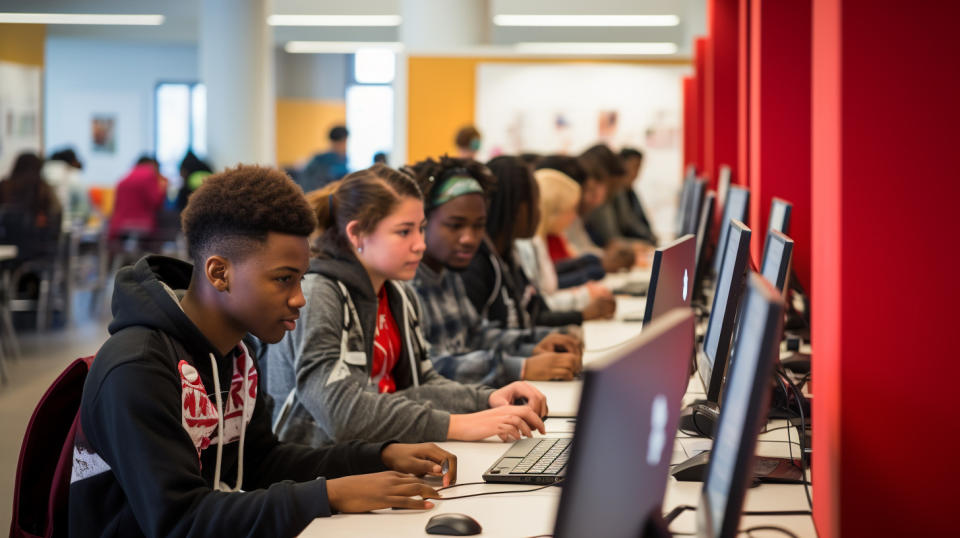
(552, 367)
(389, 489)
(515, 391)
(567, 343)
(421, 459)
(508, 422)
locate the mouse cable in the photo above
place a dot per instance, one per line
(557, 483)
(673, 514)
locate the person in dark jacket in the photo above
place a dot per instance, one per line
(29, 210)
(357, 366)
(174, 435)
(495, 281)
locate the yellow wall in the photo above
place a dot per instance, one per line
(303, 126)
(441, 94)
(22, 43)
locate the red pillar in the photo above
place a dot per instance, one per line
(742, 177)
(691, 122)
(703, 111)
(722, 72)
(885, 194)
(779, 130)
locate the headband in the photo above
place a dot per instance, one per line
(458, 184)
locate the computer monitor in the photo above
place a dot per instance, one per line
(779, 220)
(626, 425)
(745, 404)
(703, 239)
(692, 210)
(712, 362)
(777, 256)
(724, 177)
(686, 193)
(736, 207)
(671, 283)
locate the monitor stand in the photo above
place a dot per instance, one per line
(765, 469)
(796, 362)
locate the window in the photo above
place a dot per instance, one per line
(181, 124)
(370, 106)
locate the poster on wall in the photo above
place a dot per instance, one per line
(103, 133)
(566, 108)
(20, 108)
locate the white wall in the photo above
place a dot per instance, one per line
(87, 77)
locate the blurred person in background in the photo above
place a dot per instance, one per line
(62, 172)
(328, 166)
(139, 198)
(30, 213)
(467, 141)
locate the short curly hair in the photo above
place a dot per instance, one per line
(430, 173)
(234, 210)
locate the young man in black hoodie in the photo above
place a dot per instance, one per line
(163, 450)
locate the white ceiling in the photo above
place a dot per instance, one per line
(180, 25)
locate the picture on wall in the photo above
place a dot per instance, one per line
(20, 119)
(103, 133)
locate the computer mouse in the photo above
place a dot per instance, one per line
(452, 524)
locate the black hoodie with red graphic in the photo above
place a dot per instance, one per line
(146, 461)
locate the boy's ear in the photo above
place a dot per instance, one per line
(217, 272)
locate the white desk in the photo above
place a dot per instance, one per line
(533, 513)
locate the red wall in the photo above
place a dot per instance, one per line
(722, 72)
(779, 132)
(704, 142)
(885, 188)
(691, 119)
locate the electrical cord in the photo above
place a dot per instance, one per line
(557, 483)
(767, 528)
(803, 430)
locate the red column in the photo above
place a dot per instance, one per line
(722, 72)
(742, 176)
(885, 192)
(703, 111)
(779, 131)
(691, 122)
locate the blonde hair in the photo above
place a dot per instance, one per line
(558, 193)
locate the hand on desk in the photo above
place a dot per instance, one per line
(421, 459)
(389, 489)
(508, 422)
(552, 366)
(520, 390)
(559, 342)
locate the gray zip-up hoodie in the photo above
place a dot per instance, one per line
(319, 374)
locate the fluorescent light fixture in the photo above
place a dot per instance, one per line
(81, 18)
(334, 20)
(596, 48)
(586, 20)
(342, 47)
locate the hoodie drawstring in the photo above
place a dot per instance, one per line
(217, 485)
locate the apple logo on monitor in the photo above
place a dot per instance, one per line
(685, 281)
(658, 430)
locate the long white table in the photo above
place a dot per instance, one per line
(533, 513)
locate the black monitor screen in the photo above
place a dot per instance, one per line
(691, 212)
(703, 231)
(726, 300)
(776, 259)
(671, 278)
(626, 424)
(723, 183)
(744, 410)
(780, 216)
(738, 202)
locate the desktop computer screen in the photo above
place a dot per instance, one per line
(703, 239)
(746, 399)
(780, 210)
(688, 211)
(724, 176)
(731, 280)
(735, 208)
(626, 425)
(776, 259)
(671, 278)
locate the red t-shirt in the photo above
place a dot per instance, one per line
(557, 247)
(386, 346)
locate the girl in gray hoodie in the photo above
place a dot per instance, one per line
(357, 366)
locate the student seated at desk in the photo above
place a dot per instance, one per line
(163, 450)
(569, 249)
(462, 345)
(559, 196)
(356, 367)
(496, 284)
(611, 220)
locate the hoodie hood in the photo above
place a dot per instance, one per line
(337, 264)
(147, 294)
